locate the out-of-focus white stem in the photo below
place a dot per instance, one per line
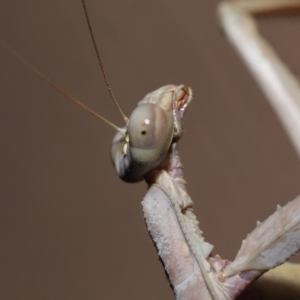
(275, 79)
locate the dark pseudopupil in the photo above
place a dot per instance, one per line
(143, 132)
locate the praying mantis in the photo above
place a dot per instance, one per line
(130, 197)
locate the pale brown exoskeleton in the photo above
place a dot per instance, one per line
(146, 148)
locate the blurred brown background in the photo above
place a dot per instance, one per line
(69, 228)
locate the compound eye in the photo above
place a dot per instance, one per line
(148, 126)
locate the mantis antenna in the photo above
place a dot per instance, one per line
(101, 63)
(59, 89)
